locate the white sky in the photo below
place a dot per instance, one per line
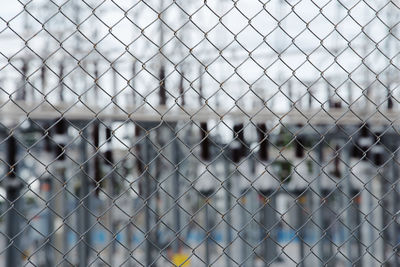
(303, 59)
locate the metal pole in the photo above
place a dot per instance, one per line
(268, 220)
(367, 231)
(357, 223)
(395, 199)
(300, 226)
(176, 192)
(147, 210)
(349, 213)
(60, 201)
(377, 190)
(13, 188)
(47, 188)
(208, 232)
(228, 201)
(111, 193)
(243, 229)
(84, 202)
(317, 205)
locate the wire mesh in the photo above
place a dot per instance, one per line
(199, 133)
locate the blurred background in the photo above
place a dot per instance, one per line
(199, 133)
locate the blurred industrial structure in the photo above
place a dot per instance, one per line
(199, 133)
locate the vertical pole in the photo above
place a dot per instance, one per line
(367, 231)
(300, 226)
(181, 88)
(21, 94)
(147, 210)
(43, 72)
(238, 151)
(61, 82)
(300, 191)
(395, 201)
(388, 75)
(228, 220)
(60, 201)
(208, 231)
(132, 84)
(161, 75)
(177, 218)
(111, 193)
(114, 98)
(243, 235)
(84, 202)
(13, 190)
(377, 190)
(317, 208)
(268, 218)
(47, 189)
(348, 214)
(357, 223)
(267, 185)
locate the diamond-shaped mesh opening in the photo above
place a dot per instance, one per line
(199, 133)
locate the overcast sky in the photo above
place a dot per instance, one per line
(240, 50)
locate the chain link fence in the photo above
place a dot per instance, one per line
(199, 133)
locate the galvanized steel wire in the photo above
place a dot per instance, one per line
(199, 133)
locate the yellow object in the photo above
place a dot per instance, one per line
(181, 259)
